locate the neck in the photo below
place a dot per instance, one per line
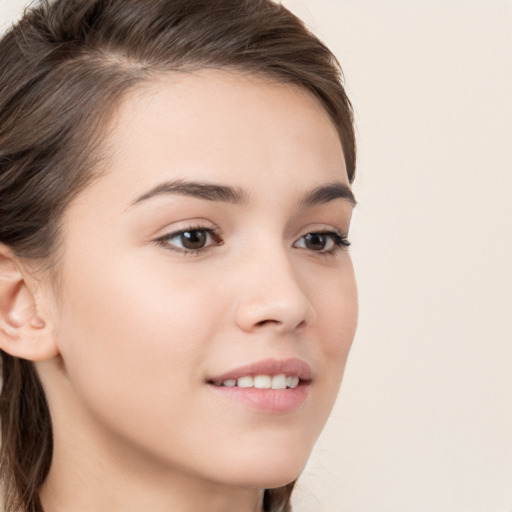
(82, 484)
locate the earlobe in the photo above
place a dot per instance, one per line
(24, 332)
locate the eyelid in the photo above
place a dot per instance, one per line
(214, 233)
(339, 240)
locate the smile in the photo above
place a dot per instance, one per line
(270, 386)
(280, 381)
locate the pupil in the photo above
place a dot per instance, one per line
(315, 241)
(194, 239)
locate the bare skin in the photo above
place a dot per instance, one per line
(162, 290)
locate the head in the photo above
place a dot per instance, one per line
(108, 111)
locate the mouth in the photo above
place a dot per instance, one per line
(272, 386)
(280, 381)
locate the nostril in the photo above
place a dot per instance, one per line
(277, 323)
(262, 323)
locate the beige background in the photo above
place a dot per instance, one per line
(424, 421)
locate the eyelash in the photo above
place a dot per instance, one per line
(212, 233)
(339, 241)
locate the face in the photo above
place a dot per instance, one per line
(208, 257)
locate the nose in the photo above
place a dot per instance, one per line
(272, 297)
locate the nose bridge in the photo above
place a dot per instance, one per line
(273, 296)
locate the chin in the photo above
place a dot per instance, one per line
(278, 480)
(275, 470)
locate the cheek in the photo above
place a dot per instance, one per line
(337, 310)
(132, 330)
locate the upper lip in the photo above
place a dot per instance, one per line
(270, 367)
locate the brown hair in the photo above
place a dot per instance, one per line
(63, 69)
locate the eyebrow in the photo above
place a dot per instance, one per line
(206, 191)
(235, 195)
(326, 193)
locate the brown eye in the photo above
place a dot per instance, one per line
(316, 241)
(323, 242)
(190, 240)
(193, 240)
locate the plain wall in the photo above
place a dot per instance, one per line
(424, 420)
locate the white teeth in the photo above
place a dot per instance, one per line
(292, 382)
(262, 382)
(279, 381)
(245, 382)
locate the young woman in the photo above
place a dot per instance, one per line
(177, 300)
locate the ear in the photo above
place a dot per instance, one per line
(25, 331)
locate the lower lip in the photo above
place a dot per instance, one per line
(277, 401)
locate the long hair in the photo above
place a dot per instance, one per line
(64, 67)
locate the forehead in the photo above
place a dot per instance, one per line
(218, 118)
(268, 139)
